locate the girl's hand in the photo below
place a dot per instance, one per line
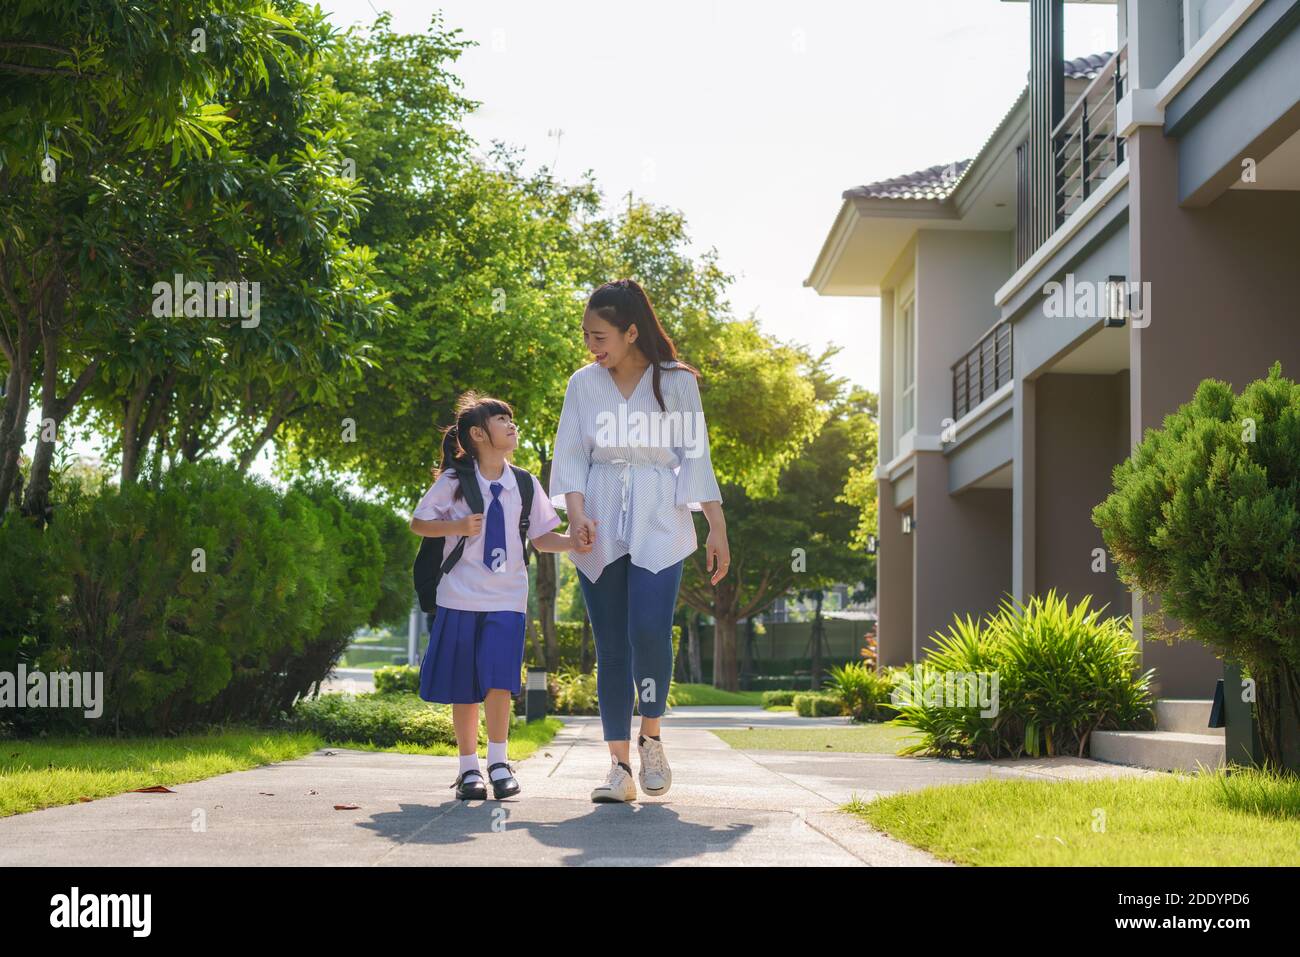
(717, 555)
(578, 545)
(583, 530)
(471, 524)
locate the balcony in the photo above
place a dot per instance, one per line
(1086, 142)
(1085, 148)
(982, 371)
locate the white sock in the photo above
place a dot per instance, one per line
(496, 755)
(469, 762)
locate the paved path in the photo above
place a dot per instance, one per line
(726, 807)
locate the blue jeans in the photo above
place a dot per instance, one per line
(631, 611)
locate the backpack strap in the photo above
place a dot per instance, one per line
(524, 479)
(474, 498)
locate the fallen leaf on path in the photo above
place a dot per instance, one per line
(347, 807)
(85, 799)
(154, 789)
(267, 793)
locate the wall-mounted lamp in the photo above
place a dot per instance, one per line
(909, 523)
(873, 545)
(1117, 311)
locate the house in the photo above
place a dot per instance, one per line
(1127, 230)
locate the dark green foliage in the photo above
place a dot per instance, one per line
(382, 720)
(1062, 673)
(1206, 515)
(238, 631)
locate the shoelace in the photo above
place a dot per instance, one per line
(653, 757)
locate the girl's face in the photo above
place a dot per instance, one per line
(501, 434)
(605, 341)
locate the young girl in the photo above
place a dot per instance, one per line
(476, 640)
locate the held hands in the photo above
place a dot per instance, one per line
(583, 532)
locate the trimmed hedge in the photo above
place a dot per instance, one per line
(208, 597)
(383, 720)
(817, 704)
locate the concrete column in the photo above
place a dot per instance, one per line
(1023, 507)
(893, 582)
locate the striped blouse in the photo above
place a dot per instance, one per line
(641, 471)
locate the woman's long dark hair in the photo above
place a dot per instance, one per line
(623, 303)
(457, 447)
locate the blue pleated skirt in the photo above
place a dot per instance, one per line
(470, 653)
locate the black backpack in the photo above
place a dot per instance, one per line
(430, 565)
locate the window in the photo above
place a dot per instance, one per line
(907, 369)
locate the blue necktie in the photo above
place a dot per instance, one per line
(496, 532)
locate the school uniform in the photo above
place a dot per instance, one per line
(641, 471)
(476, 637)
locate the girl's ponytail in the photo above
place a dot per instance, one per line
(457, 447)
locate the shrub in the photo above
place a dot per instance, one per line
(235, 632)
(1206, 514)
(397, 679)
(864, 692)
(382, 720)
(817, 705)
(572, 692)
(1061, 673)
(783, 697)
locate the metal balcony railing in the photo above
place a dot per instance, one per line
(982, 371)
(1086, 141)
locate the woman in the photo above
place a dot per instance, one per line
(631, 464)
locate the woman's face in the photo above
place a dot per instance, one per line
(605, 341)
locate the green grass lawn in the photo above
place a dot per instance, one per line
(689, 694)
(47, 772)
(862, 739)
(1246, 819)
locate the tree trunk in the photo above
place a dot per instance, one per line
(36, 502)
(278, 416)
(1278, 705)
(13, 426)
(546, 587)
(725, 675)
(693, 631)
(586, 655)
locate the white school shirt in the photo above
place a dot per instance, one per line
(471, 585)
(639, 481)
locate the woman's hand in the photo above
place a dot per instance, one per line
(471, 524)
(583, 530)
(717, 553)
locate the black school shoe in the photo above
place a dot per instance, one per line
(503, 787)
(471, 790)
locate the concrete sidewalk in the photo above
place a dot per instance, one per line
(726, 807)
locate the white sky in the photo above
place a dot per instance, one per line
(751, 117)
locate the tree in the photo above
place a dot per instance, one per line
(1205, 514)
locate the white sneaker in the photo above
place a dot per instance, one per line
(618, 786)
(655, 774)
